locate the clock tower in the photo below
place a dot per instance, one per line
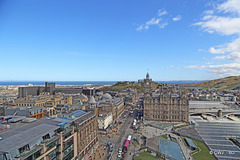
(147, 97)
(147, 85)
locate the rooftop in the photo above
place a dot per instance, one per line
(206, 104)
(81, 119)
(25, 136)
(216, 135)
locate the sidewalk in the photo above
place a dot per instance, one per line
(99, 154)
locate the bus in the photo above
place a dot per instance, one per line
(129, 138)
(125, 148)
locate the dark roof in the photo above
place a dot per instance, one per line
(81, 119)
(25, 137)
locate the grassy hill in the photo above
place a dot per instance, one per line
(228, 83)
(137, 86)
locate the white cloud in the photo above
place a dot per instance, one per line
(162, 12)
(235, 57)
(153, 21)
(209, 63)
(223, 70)
(177, 18)
(140, 28)
(220, 57)
(208, 12)
(163, 25)
(196, 67)
(201, 50)
(216, 51)
(233, 46)
(225, 25)
(173, 66)
(224, 19)
(230, 6)
(221, 25)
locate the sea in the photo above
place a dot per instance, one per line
(35, 83)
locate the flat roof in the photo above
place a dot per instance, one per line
(206, 104)
(20, 127)
(216, 135)
(170, 149)
(190, 142)
(83, 117)
(25, 137)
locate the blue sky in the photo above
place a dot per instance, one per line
(119, 40)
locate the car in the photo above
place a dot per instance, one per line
(109, 143)
(110, 146)
(120, 149)
(110, 149)
(1, 138)
(119, 155)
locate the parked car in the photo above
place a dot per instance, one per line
(109, 143)
(119, 155)
(110, 149)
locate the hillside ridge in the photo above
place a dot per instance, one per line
(227, 83)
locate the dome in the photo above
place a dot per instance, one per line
(106, 96)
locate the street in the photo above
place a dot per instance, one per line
(118, 140)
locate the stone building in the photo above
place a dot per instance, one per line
(87, 131)
(49, 88)
(108, 104)
(32, 112)
(166, 103)
(45, 139)
(36, 90)
(44, 100)
(104, 121)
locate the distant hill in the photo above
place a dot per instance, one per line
(228, 83)
(138, 86)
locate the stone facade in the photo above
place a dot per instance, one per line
(44, 100)
(104, 121)
(48, 88)
(115, 106)
(87, 134)
(49, 139)
(166, 103)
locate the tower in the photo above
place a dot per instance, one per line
(147, 97)
(147, 85)
(93, 105)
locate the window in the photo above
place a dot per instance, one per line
(51, 155)
(24, 148)
(47, 136)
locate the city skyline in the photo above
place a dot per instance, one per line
(114, 41)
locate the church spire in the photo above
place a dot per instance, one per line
(147, 76)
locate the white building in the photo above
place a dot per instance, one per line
(104, 121)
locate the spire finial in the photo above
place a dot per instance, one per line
(147, 74)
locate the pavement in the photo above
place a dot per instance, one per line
(99, 154)
(118, 135)
(150, 132)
